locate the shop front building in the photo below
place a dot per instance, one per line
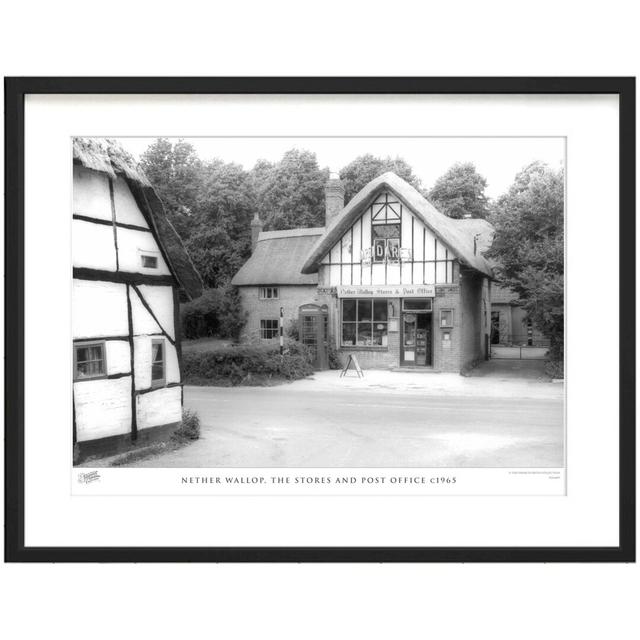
(394, 281)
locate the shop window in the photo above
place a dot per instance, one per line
(89, 361)
(269, 293)
(364, 323)
(157, 363)
(269, 328)
(446, 317)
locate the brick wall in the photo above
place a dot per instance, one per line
(468, 300)
(291, 297)
(448, 358)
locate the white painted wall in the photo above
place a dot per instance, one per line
(131, 244)
(118, 356)
(91, 193)
(425, 246)
(160, 407)
(160, 299)
(103, 408)
(127, 210)
(99, 309)
(93, 246)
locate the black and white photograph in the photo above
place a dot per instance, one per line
(312, 327)
(318, 302)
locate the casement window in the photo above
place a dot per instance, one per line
(89, 361)
(385, 230)
(386, 242)
(148, 260)
(364, 323)
(446, 317)
(269, 293)
(158, 362)
(269, 328)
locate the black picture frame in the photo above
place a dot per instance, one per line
(15, 91)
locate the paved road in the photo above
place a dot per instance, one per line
(279, 427)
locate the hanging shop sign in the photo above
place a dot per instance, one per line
(386, 291)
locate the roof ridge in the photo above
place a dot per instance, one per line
(291, 233)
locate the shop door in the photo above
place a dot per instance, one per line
(416, 340)
(313, 333)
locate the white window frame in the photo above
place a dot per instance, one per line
(265, 291)
(263, 330)
(159, 382)
(82, 345)
(154, 255)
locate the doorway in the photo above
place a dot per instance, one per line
(415, 347)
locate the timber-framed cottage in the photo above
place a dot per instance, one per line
(130, 270)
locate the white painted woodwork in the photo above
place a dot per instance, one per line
(159, 407)
(160, 300)
(127, 210)
(91, 193)
(131, 245)
(103, 408)
(118, 356)
(99, 309)
(413, 235)
(93, 246)
(142, 360)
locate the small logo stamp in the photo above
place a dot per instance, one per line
(90, 476)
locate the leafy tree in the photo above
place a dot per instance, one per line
(365, 168)
(460, 191)
(175, 172)
(290, 193)
(221, 240)
(217, 312)
(529, 247)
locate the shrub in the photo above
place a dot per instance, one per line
(555, 369)
(217, 312)
(249, 364)
(190, 426)
(332, 354)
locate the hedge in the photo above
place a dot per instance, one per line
(247, 364)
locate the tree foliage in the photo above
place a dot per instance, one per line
(290, 194)
(217, 312)
(365, 168)
(460, 191)
(529, 247)
(175, 171)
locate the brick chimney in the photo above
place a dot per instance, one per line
(334, 198)
(256, 228)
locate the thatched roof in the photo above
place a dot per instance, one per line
(278, 258)
(451, 232)
(107, 156)
(482, 230)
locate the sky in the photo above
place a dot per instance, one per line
(497, 159)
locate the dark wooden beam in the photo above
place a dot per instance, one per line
(122, 277)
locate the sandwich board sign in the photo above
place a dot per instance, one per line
(353, 360)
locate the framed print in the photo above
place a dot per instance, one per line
(320, 319)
